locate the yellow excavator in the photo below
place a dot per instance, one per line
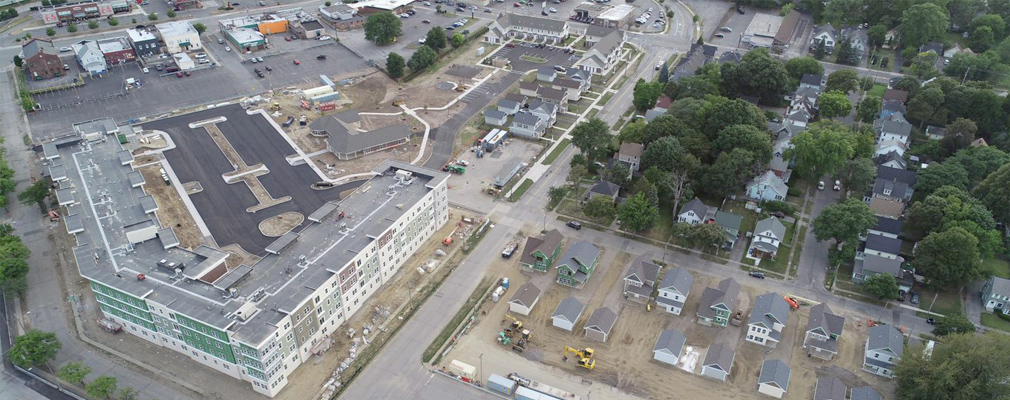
(585, 357)
(524, 339)
(517, 325)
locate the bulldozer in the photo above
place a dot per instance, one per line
(516, 326)
(504, 339)
(582, 353)
(524, 339)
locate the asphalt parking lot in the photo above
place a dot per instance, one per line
(737, 23)
(280, 57)
(223, 206)
(712, 14)
(552, 57)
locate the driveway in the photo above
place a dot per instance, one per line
(529, 51)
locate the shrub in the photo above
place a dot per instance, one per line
(773, 206)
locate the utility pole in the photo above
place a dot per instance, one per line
(965, 75)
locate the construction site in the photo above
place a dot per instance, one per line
(533, 347)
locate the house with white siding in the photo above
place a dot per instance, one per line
(526, 27)
(883, 350)
(674, 289)
(767, 319)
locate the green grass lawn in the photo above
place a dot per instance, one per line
(998, 266)
(877, 90)
(532, 59)
(749, 217)
(606, 97)
(993, 321)
(592, 113)
(518, 193)
(572, 208)
(799, 247)
(663, 227)
(947, 302)
(781, 260)
(557, 152)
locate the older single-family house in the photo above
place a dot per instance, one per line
(882, 246)
(767, 319)
(864, 393)
(495, 118)
(896, 94)
(892, 159)
(826, 34)
(572, 87)
(909, 178)
(509, 107)
(568, 312)
(524, 299)
(996, 295)
(696, 212)
(889, 146)
(830, 388)
(932, 47)
(530, 89)
(952, 51)
(805, 98)
(892, 189)
(718, 304)
(604, 54)
(813, 81)
(774, 378)
(823, 330)
(871, 265)
(883, 350)
(730, 223)
(602, 188)
(577, 264)
(894, 127)
(90, 57)
(767, 187)
(718, 362)
(887, 227)
(674, 289)
(631, 153)
(541, 252)
(600, 323)
(41, 59)
(640, 279)
(669, 346)
(892, 107)
(697, 56)
(527, 125)
(934, 132)
(768, 236)
(526, 27)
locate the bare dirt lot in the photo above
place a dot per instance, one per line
(278, 225)
(171, 211)
(624, 365)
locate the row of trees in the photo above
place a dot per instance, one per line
(425, 56)
(36, 348)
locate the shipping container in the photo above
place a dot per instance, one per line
(528, 394)
(501, 384)
(462, 369)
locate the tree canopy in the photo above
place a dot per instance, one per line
(953, 324)
(646, 94)
(74, 373)
(422, 58)
(34, 348)
(637, 213)
(799, 66)
(844, 222)
(382, 28)
(965, 366)
(592, 137)
(821, 149)
(747, 137)
(102, 387)
(923, 23)
(834, 104)
(949, 258)
(757, 74)
(436, 38)
(394, 65)
(843, 80)
(884, 286)
(994, 193)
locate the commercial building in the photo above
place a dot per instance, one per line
(397, 7)
(40, 59)
(117, 50)
(266, 24)
(90, 57)
(65, 13)
(256, 323)
(341, 16)
(616, 17)
(246, 39)
(144, 42)
(179, 36)
(346, 141)
(762, 30)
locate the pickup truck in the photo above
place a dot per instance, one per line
(509, 249)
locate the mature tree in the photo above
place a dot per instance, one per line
(845, 53)
(457, 40)
(941, 174)
(965, 366)
(982, 39)
(18, 62)
(395, 65)
(102, 387)
(92, 25)
(664, 74)
(820, 51)
(575, 175)
(927, 106)
(946, 205)
(757, 74)
(665, 154)
(843, 80)
(951, 324)
(593, 138)
(884, 286)
(200, 28)
(689, 111)
(962, 11)
(382, 28)
(844, 222)
(843, 12)
(858, 174)
(74, 373)
(747, 137)
(619, 174)
(729, 173)
(632, 132)
(959, 135)
(599, 207)
(834, 104)
(977, 103)
(999, 7)
(923, 23)
(980, 162)
(821, 149)
(34, 348)
(799, 66)
(949, 258)
(876, 35)
(704, 235)
(994, 192)
(994, 22)
(868, 109)
(36, 193)
(646, 94)
(436, 38)
(150, 17)
(722, 113)
(422, 58)
(49, 32)
(556, 194)
(637, 214)
(647, 189)
(679, 185)
(691, 87)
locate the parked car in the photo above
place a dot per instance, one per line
(65, 49)
(66, 67)
(915, 298)
(553, 10)
(425, 21)
(739, 10)
(427, 3)
(574, 225)
(559, 69)
(487, 10)
(226, 48)
(296, 62)
(268, 68)
(719, 35)
(422, 40)
(510, 45)
(544, 12)
(146, 70)
(324, 37)
(757, 274)
(188, 73)
(321, 57)
(901, 295)
(516, 5)
(288, 123)
(253, 60)
(931, 321)
(837, 186)
(726, 29)
(258, 70)
(178, 74)
(820, 185)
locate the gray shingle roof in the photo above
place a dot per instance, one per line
(1000, 285)
(830, 388)
(771, 224)
(569, 309)
(642, 270)
(509, 104)
(580, 253)
(671, 341)
(769, 308)
(723, 297)
(598, 30)
(811, 79)
(895, 124)
(892, 226)
(900, 175)
(553, 94)
(890, 156)
(36, 45)
(896, 189)
(886, 337)
(720, 356)
(546, 244)
(605, 188)
(524, 118)
(609, 42)
(883, 244)
(824, 321)
(678, 279)
(495, 114)
(633, 149)
(775, 373)
(696, 205)
(696, 58)
(567, 83)
(526, 295)
(548, 71)
(864, 393)
(728, 221)
(343, 138)
(550, 25)
(878, 264)
(602, 320)
(893, 105)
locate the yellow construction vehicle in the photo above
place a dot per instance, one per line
(582, 353)
(517, 325)
(524, 339)
(587, 363)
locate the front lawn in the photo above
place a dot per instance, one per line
(993, 321)
(782, 258)
(556, 152)
(998, 266)
(606, 97)
(877, 90)
(946, 303)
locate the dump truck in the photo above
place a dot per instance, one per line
(455, 169)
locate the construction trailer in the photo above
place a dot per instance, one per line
(508, 172)
(493, 139)
(501, 384)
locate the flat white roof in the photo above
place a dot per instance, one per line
(114, 44)
(382, 4)
(137, 35)
(617, 13)
(176, 28)
(766, 25)
(244, 35)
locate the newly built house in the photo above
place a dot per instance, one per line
(674, 289)
(577, 264)
(540, 252)
(600, 323)
(719, 303)
(774, 378)
(718, 362)
(640, 279)
(884, 348)
(823, 330)
(669, 346)
(830, 388)
(996, 295)
(568, 312)
(767, 319)
(524, 299)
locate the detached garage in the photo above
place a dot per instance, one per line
(718, 362)
(669, 346)
(567, 313)
(774, 378)
(600, 324)
(524, 299)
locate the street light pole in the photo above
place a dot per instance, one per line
(481, 370)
